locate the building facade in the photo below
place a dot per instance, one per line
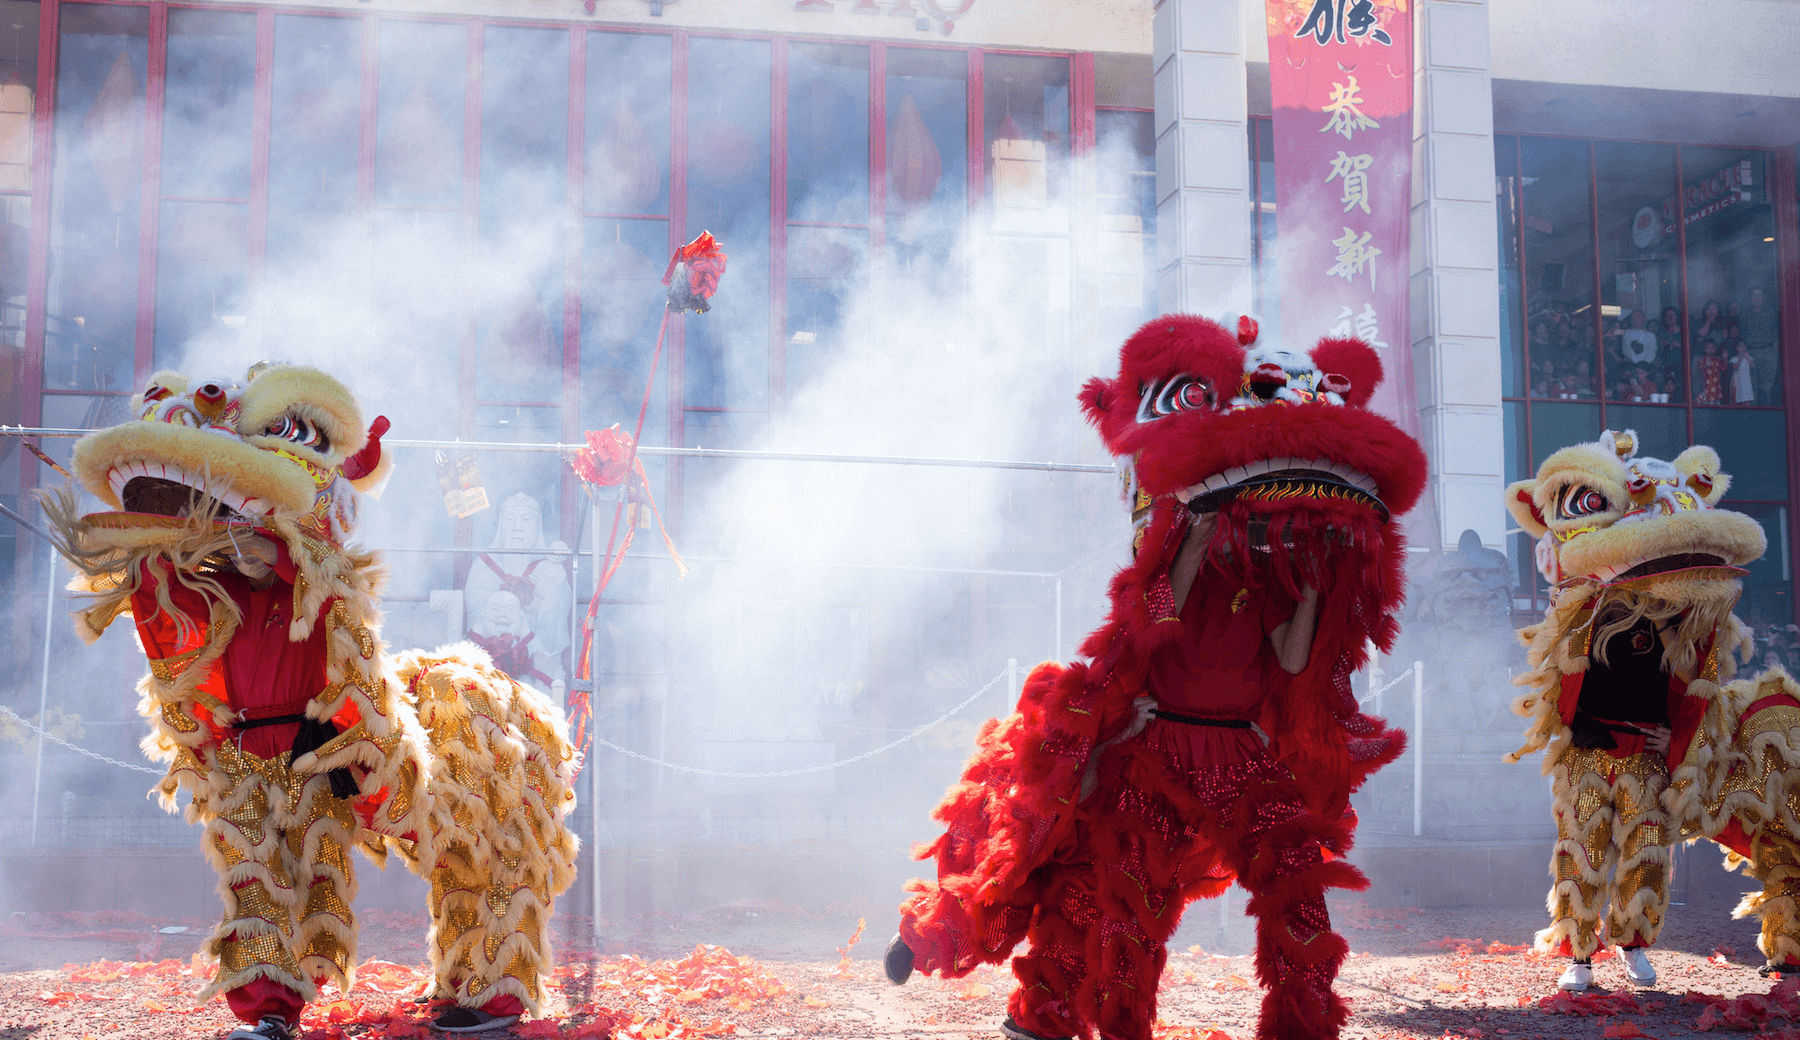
(470, 206)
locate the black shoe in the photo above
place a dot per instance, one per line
(1784, 969)
(899, 961)
(470, 1020)
(272, 1027)
(1014, 1031)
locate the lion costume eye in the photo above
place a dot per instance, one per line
(1183, 393)
(300, 431)
(1581, 500)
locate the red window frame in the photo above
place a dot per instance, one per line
(569, 394)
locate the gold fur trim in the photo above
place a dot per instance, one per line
(309, 393)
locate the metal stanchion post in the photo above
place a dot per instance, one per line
(593, 768)
(1374, 679)
(1418, 748)
(37, 782)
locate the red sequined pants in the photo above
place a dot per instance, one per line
(1149, 840)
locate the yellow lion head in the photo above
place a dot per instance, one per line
(1604, 514)
(287, 443)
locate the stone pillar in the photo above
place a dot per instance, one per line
(1455, 262)
(1202, 166)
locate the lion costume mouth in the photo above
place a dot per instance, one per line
(1684, 565)
(1285, 480)
(166, 490)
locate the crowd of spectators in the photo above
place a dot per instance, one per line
(1775, 645)
(1735, 356)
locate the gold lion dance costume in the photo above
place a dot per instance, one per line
(295, 736)
(1627, 668)
(1206, 738)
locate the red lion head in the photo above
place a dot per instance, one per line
(1270, 439)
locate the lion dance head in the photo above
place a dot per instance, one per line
(1304, 477)
(211, 469)
(286, 444)
(1633, 536)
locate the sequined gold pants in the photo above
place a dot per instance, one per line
(1611, 852)
(1775, 861)
(479, 936)
(281, 845)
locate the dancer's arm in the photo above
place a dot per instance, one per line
(1188, 560)
(1143, 710)
(1190, 556)
(1293, 638)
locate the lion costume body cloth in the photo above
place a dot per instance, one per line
(295, 737)
(1640, 635)
(1254, 787)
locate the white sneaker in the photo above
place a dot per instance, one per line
(272, 1027)
(1577, 979)
(1637, 967)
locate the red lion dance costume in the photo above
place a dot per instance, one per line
(1073, 830)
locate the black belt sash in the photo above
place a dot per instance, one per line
(313, 735)
(1595, 734)
(1195, 720)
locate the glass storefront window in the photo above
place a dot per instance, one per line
(1681, 240)
(928, 152)
(622, 302)
(1126, 200)
(202, 268)
(202, 278)
(18, 91)
(207, 99)
(314, 137)
(726, 354)
(1642, 359)
(627, 167)
(1262, 204)
(100, 173)
(524, 198)
(1729, 223)
(625, 235)
(827, 201)
(1026, 134)
(1026, 145)
(828, 134)
(1512, 317)
(18, 102)
(1561, 325)
(419, 114)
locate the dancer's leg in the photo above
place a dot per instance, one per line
(1581, 862)
(1640, 896)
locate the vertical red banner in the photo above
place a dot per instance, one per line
(1341, 78)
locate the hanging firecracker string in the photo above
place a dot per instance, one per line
(610, 459)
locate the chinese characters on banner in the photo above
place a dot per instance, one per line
(1341, 78)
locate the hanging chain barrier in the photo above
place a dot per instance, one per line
(891, 745)
(1397, 680)
(54, 739)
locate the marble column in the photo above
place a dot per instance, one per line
(1202, 171)
(1455, 269)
